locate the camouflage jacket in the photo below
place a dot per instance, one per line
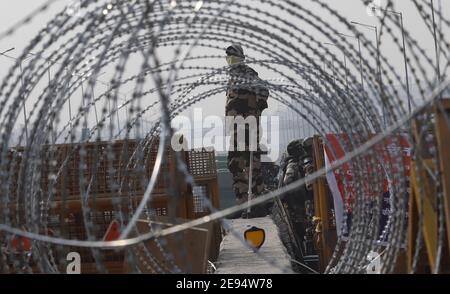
(246, 93)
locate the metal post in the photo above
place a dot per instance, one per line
(360, 63)
(250, 175)
(346, 75)
(400, 14)
(66, 86)
(24, 106)
(380, 77)
(118, 118)
(50, 89)
(436, 48)
(85, 132)
(360, 57)
(95, 105)
(345, 63)
(406, 64)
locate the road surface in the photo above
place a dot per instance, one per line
(236, 258)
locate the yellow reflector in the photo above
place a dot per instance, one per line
(255, 237)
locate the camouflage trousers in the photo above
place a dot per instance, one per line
(239, 166)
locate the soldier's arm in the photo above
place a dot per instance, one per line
(256, 87)
(262, 95)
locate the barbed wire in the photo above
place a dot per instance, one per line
(155, 52)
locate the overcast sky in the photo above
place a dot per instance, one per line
(354, 10)
(12, 11)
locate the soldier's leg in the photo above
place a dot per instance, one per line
(257, 187)
(237, 165)
(257, 178)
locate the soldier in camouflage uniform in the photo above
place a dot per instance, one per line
(246, 96)
(299, 162)
(299, 203)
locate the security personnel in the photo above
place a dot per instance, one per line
(299, 161)
(246, 96)
(299, 205)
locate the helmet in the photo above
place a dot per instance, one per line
(295, 148)
(235, 50)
